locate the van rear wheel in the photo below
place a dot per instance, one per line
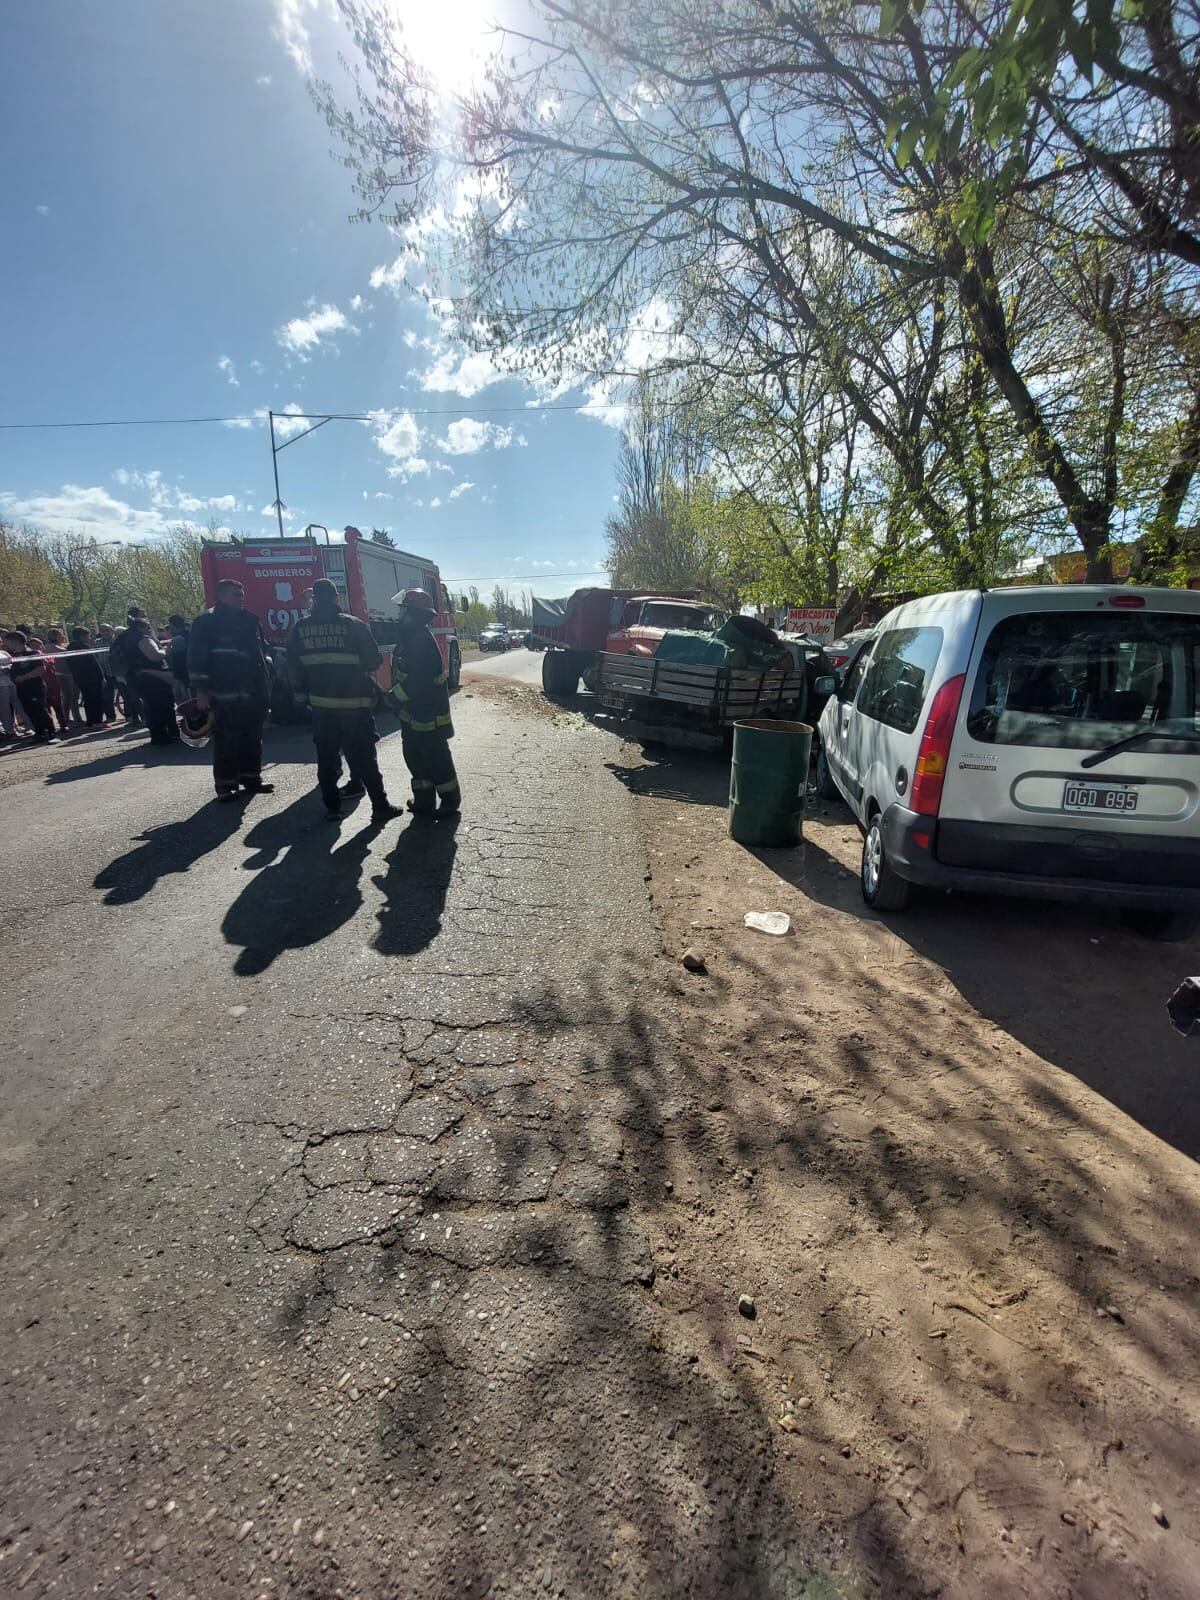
(882, 888)
(1166, 927)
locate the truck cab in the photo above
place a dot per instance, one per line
(646, 619)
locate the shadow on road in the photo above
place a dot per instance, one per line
(174, 847)
(303, 889)
(677, 775)
(139, 754)
(414, 886)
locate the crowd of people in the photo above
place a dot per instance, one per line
(212, 680)
(60, 684)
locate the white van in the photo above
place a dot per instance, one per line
(1028, 741)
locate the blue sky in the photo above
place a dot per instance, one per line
(176, 245)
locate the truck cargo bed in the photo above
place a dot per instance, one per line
(721, 695)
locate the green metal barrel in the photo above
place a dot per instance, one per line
(768, 781)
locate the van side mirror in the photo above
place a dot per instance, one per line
(825, 685)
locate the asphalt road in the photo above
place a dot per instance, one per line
(324, 1153)
(517, 666)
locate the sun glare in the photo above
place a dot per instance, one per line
(450, 38)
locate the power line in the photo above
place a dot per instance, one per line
(304, 416)
(524, 580)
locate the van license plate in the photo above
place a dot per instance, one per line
(1121, 797)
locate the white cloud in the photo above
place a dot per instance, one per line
(461, 374)
(226, 366)
(269, 511)
(216, 502)
(467, 435)
(42, 211)
(165, 499)
(291, 29)
(357, 302)
(92, 511)
(461, 488)
(396, 434)
(435, 503)
(303, 334)
(263, 80)
(256, 366)
(289, 420)
(395, 274)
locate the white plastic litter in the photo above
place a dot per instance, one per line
(768, 921)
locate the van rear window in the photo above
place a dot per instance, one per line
(1078, 680)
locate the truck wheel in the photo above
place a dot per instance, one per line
(454, 675)
(1165, 927)
(560, 674)
(882, 888)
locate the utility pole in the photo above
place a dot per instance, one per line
(278, 503)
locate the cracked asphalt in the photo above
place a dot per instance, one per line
(329, 1159)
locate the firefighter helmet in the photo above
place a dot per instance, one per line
(195, 726)
(417, 600)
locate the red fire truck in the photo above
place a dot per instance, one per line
(276, 572)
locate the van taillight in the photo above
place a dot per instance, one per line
(934, 753)
(1127, 602)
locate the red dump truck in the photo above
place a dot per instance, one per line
(670, 666)
(575, 632)
(276, 572)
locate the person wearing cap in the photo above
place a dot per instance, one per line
(227, 668)
(330, 657)
(422, 702)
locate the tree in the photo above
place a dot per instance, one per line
(382, 536)
(710, 161)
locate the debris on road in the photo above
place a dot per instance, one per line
(693, 961)
(747, 1307)
(776, 922)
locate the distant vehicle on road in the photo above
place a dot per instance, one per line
(494, 637)
(1041, 742)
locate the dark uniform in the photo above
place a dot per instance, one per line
(28, 674)
(422, 702)
(330, 659)
(227, 661)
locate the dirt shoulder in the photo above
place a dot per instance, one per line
(951, 1157)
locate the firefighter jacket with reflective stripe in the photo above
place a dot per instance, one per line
(331, 657)
(227, 655)
(419, 690)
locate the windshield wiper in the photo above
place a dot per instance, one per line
(1156, 730)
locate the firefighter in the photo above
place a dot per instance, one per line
(330, 659)
(227, 666)
(422, 703)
